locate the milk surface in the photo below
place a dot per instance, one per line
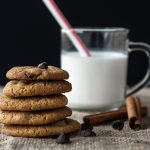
(98, 81)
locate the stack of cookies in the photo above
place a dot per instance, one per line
(32, 104)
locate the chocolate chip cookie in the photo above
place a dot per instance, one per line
(23, 88)
(34, 118)
(65, 126)
(37, 73)
(33, 103)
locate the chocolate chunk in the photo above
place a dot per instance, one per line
(88, 133)
(133, 124)
(118, 124)
(63, 139)
(86, 125)
(43, 65)
(29, 75)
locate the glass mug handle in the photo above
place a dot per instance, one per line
(139, 46)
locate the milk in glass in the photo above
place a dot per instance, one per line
(98, 81)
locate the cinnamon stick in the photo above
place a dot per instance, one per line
(99, 118)
(134, 112)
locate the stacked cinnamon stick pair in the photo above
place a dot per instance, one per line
(133, 110)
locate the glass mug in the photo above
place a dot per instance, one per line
(99, 82)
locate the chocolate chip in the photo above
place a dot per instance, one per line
(88, 133)
(133, 125)
(118, 124)
(43, 65)
(63, 139)
(86, 125)
(29, 75)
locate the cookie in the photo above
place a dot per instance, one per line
(22, 88)
(33, 103)
(36, 73)
(34, 118)
(65, 126)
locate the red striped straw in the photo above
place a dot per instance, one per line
(62, 21)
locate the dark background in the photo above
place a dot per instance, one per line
(30, 35)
